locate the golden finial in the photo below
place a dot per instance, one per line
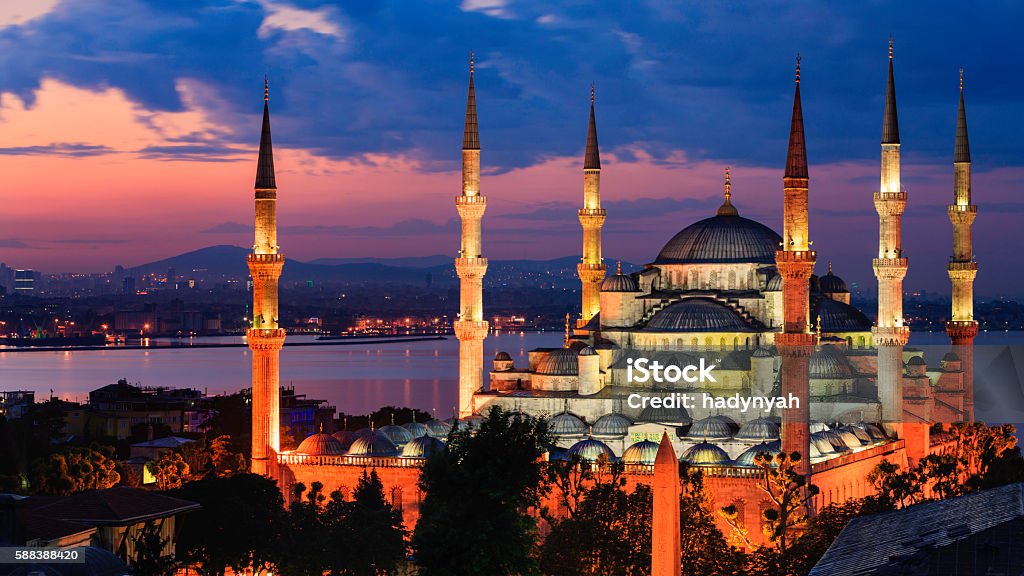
(591, 93)
(567, 320)
(345, 423)
(728, 186)
(618, 268)
(472, 58)
(961, 78)
(890, 47)
(392, 418)
(266, 88)
(829, 266)
(321, 427)
(818, 328)
(798, 68)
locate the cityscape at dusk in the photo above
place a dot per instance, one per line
(506, 288)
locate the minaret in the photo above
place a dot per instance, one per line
(795, 263)
(962, 328)
(264, 336)
(470, 328)
(591, 270)
(666, 548)
(890, 333)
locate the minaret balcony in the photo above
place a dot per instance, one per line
(890, 196)
(962, 331)
(891, 335)
(471, 330)
(463, 199)
(265, 258)
(796, 256)
(592, 212)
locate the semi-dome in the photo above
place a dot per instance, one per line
(851, 440)
(706, 454)
(774, 284)
(438, 428)
(566, 424)
(398, 435)
(748, 458)
(590, 449)
(829, 363)
(613, 424)
(321, 445)
(837, 440)
(620, 283)
(823, 443)
(422, 447)
(840, 317)
(641, 453)
(663, 415)
(345, 437)
(759, 429)
(710, 427)
(559, 362)
(697, 315)
(722, 238)
(417, 429)
(376, 444)
(859, 432)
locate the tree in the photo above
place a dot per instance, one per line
(894, 487)
(239, 525)
(212, 457)
(607, 530)
(367, 532)
(150, 559)
(706, 550)
(75, 470)
(474, 519)
(170, 471)
(304, 546)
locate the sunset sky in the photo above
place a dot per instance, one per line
(128, 128)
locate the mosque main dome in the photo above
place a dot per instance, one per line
(723, 238)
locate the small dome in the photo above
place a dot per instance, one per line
(664, 415)
(590, 450)
(816, 426)
(697, 315)
(363, 432)
(823, 443)
(815, 453)
(840, 317)
(851, 440)
(422, 447)
(719, 239)
(748, 457)
(559, 362)
(613, 424)
(500, 356)
(774, 284)
(916, 361)
(837, 440)
(709, 427)
(588, 351)
(832, 284)
(950, 357)
(417, 429)
(875, 432)
(398, 435)
(620, 283)
(321, 445)
(859, 432)
(438, 428)
(759, 429)
(763, 352)
(376, 444)
(829, 363)
(705, 454)
(345, 437)
(643, 452)
(566, 424)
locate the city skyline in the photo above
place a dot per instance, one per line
(135, 151)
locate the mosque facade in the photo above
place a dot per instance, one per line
(726, 291)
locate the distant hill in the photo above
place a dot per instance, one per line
(223, 262)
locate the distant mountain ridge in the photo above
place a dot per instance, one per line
(223, 262)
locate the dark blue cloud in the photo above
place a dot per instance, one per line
(712, 78)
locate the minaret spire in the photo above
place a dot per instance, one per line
(265, 165)
(890, 123)
(795, 263)
(591, 269)
(470, 265)
(471, 132)
(727, 209)
(962, 152)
